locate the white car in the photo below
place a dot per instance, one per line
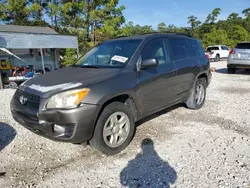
(217, 52)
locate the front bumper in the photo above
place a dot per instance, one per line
(74, 125)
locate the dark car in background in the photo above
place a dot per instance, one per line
(239, 57)
(99, 98)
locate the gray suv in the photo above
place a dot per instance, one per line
(239, 57)
(99, 98)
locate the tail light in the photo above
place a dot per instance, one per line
(232, 52)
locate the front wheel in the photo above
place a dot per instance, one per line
(114, 129)
(231, 70)
(197, 98)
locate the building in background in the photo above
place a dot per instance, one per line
(28, 42)
(26, 46)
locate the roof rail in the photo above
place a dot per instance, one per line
(121, 36)
(168, 32)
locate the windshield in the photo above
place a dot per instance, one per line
(109, 54)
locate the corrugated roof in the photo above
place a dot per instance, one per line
(11, 40)
(26, 29)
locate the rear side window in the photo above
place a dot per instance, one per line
(243, 45)
(209, 49)
(224, 48)
(180, 48)
(196, 47)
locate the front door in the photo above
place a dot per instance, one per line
(155, 85)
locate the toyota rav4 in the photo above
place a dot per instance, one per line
(120, 81)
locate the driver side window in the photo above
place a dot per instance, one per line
(154, 49)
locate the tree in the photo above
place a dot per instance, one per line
(37, 10)
(237, 34)
(211, 18)
(14, 12)
(192, 20)
(53, 12)
(131, 29)
(215, 37)
(105, 19)
(161, 27)
(233, 16)
(246, 12)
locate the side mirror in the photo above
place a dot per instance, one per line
(149, 63)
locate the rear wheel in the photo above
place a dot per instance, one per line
(231, 70)
(197, 98)
(114, 129)
(217, 58)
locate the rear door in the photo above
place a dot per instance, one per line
(155, 85)
(186, 63)
(224, 52)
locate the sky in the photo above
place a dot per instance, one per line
(152, 12)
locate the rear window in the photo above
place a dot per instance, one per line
(209, 49)
(243, 46)
(180, 48)
(196, 47)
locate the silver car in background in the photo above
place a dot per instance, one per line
(239, 57)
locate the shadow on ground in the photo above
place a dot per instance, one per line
(148, 169)
(239, 71)
(7, 135)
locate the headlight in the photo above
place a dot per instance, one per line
(68, 99)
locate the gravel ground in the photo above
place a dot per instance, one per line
(175, 148)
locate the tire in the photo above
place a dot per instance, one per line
(104, 143)
(217, 58)
(192, 102)
(231, 70)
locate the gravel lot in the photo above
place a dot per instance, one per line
(175, 148)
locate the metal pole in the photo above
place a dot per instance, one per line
(41, 51)
(1, 82)
(78, 55)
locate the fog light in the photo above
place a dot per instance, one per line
(64, 130)
(59, 129)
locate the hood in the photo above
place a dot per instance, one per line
(67, 78)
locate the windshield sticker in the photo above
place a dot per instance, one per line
(119, 58)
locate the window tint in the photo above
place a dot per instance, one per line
(180, 48)
(209, 49)
(224, 48)
(243, 46)
(196, 47)
(154, 49)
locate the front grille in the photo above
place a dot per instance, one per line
(31, 117)
(32, 102)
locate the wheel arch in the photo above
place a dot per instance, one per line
(124, 98)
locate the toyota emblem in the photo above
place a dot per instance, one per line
(22, 99)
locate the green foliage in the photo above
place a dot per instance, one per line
(131, 29)
(70, 57)
(211, 18)
(94, 21)
(215, 37)
(14, 12)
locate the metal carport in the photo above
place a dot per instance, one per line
(16, 40)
